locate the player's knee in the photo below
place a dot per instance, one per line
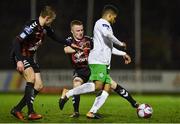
(107, 90)
(113, 85)
(38, 87)
(31, 78)
(107, 87)
(29, 75)
(99, 87)
(77, 82)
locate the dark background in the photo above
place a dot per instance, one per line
(160, 31)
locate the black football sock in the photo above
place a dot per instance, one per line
(124, 93)
(22, 103)
(76, 100)
(29, 94)
(35, 92)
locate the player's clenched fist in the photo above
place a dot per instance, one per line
(20, 66)
(127, 59)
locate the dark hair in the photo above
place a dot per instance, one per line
(75, 22)
(48, 11)
(110, 8)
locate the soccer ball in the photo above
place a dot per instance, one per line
(144, 111)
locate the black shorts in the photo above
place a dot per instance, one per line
(83, 73)
(28, 62)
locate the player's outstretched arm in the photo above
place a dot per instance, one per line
(69, 50)
(118, 52)
(126, 57)
(116, 41)
(108, 33)
(57, 38)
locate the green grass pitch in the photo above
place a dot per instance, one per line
(116, 109)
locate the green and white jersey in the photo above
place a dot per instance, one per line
(103, 40)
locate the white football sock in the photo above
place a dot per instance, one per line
(84, 88)
(99, 101)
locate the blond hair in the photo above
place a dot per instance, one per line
(75, 22)
(48, 11)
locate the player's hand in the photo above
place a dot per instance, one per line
(20, 66)
(124, 45)
(127, 59)
(74, 46)
(86, 51)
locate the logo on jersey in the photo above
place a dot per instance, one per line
(101, 75)
(106, 26)
(23, 35)
(79, 57)
(33, 25)
(28, 30)
(69, 40)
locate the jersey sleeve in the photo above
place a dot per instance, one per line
(17, 49)
(27, 30)
(69, 40)
(118, 52)
(107, 32)
(25, 33)
(51, 33)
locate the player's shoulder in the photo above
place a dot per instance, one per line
(30, 26)
(32, 23)
(103, 23)
(69, 39)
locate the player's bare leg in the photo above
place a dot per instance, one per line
(38, 82)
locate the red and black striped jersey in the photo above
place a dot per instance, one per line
(79, 59)
(31, 37)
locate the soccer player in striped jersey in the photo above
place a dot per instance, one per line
(24, 47)
(79, 59)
